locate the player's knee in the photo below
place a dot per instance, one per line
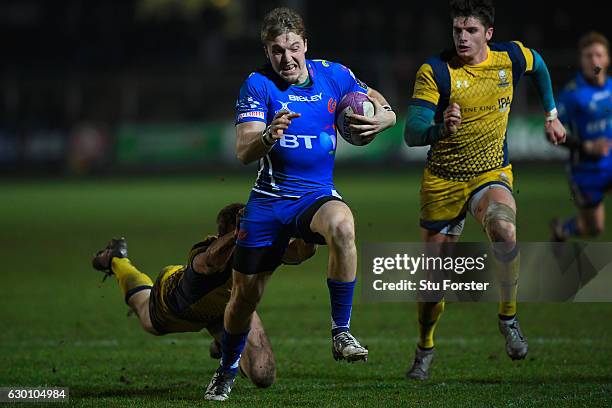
(148, 327)
(342, 231)
(500, 222)
(258, 359)
(145, 319)
(263, 376)
(262, 370)
(264, 382)
(502, 231)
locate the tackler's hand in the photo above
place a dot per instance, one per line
(239, 216)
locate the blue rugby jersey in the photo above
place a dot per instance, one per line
(303, 160)
(587, 110)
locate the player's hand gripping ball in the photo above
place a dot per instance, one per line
(353, 103)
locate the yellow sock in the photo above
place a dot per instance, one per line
(130, 279)
(508, 286)
(429, 314)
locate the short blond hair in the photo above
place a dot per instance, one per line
(279, 21)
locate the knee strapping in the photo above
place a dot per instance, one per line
(498, 212)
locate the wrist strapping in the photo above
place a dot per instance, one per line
(266, 137)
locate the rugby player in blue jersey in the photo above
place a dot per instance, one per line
(285, 117)
(585, 108)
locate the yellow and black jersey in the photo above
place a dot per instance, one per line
(183, 300)
(484, 92)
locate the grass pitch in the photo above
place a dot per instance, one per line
(62, 327)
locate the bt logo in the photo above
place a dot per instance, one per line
(293, 141)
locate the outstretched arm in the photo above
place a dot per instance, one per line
(216, 256)
(553, 127)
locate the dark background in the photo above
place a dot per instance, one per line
(111, 62)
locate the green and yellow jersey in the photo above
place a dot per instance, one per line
(485, 93)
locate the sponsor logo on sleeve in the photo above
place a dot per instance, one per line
(247, 103)
(253, 114)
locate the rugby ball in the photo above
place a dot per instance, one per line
(352, 103)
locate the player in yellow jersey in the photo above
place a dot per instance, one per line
(467, 94)
(192, 297)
